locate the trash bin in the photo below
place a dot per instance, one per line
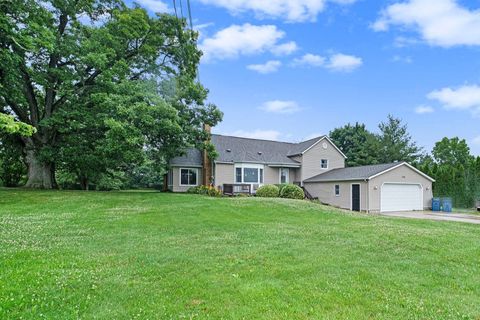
(447, 204)
(436, 204)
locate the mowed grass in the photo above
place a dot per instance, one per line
(147, 255)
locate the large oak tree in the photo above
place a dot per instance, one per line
(68, 68)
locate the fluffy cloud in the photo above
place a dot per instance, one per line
(424, 109)
(337, 62)
(310, 59)
(462, 98)
(246, 39)
(154, 5)
(439, 22)
(267, 67)
(280, 106)
(344, 63)
(285, 48)
(290, 10)
(258, 134)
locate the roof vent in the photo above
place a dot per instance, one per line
(229, 150)
(260, 153)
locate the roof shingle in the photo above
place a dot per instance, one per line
(352, 173)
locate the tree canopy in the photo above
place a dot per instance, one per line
(101, 83)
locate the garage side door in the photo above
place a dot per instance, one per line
(401, 197)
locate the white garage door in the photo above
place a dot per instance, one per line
(401, 197)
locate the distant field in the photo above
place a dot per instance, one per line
(147, 255)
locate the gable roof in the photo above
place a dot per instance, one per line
(238, 149)
(360, 173)
(192, 158)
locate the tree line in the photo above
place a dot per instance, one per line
(450, 163)
(109, 92)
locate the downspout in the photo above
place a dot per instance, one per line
(368, 195)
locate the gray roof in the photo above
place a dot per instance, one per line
(353, 173)
(237, 149)
(193, 157)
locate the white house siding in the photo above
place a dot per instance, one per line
(311, 159)
(224, 174)
(402, 174)
(325, 191)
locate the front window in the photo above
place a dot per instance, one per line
(249, 174)
(238, 175)
(188, 177)
(337, 190)
(284, 172)
(170, 177)
(324, 164)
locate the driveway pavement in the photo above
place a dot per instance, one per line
(431, 215)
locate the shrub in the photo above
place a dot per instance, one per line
(268, 191)
(292, 191)
(205, 190)
(281, 186)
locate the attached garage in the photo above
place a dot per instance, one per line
(401, 197)
(381, 188)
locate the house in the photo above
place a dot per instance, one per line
(317, 165)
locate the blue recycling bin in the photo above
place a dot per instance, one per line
(447, 204)
(436, 204)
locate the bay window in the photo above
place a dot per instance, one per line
(249, 174)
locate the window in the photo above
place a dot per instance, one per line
(188, 177)
(249, 174)
(284, 173)
(238, 175)
(324, 164)
(337, 190)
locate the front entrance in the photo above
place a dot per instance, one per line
(355, 197)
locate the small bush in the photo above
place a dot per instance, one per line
(205, 190)
(268, 191)
(281, 186)
(292, 191)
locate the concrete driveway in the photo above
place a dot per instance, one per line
(431, 215)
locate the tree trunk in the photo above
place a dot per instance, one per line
(40, 175)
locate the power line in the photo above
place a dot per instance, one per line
(190, 14)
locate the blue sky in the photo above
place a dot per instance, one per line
(291, 69)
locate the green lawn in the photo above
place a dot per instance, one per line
(146, 255)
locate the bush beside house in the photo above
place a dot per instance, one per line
(206, 191)
(292, 191)
(268, 191)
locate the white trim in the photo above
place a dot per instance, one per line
(405, 183)
(321, 139)
(335, 190)
(359, 196)
(180, 177)
(399, 165)
(280, 175)
(261, 177)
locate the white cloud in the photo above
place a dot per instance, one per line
(246, 39)
(424, 109)
(290, 10)
(258, 134)
(267, 67)
(403, 59)
(280, 106)
(310, 59)
(343, 62)
(466, 97)
(154, 5)
(476, 141)
(439, 22)
(285, 48)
